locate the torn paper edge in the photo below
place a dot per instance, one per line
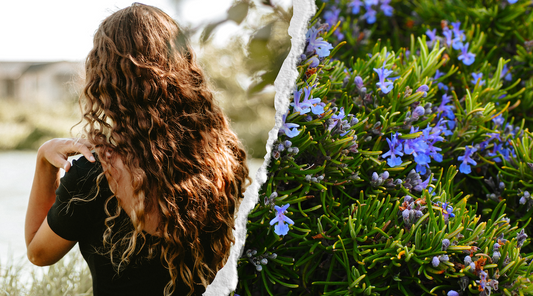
(226, 279)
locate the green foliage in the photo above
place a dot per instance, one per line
(70, 276)
(25, 125)
(267, 47)
(243, 71)
(370, 223)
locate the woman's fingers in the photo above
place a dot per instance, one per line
(66, 166)
(84, 147)
(57, 151)
(57, 159)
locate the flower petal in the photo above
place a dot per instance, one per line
(281, 229)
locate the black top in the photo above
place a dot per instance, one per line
(84, 222)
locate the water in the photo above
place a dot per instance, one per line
(16, 176)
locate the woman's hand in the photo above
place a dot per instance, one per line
(57, 151)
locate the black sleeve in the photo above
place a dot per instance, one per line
(71, 219)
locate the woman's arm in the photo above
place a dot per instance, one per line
(44, 247)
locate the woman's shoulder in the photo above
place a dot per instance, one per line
(83, 165)
(85, 175)
(80, 200)
(84, 184)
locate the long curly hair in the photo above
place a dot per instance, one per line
(146, 102)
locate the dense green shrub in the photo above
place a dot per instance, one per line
(405, 161)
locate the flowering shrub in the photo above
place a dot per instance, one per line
(404, 163)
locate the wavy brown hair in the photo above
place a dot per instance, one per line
(146, 101)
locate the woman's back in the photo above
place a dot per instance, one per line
(84, 221)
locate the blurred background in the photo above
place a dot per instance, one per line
(240, 44)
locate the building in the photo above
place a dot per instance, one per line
(41, 82)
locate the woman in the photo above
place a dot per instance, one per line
(153, 208)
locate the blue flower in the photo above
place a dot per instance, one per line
(451, 126)
(316, 105)
(355, 5)
(432, 134)
(448, 34)
(288, 129)
(457, 44)
(318, 108)
(465, 56)
(332, 18)
(281, 228)
(498, 120)
(438, 74)
(466, 160)
(456, 28)
(336, 119)
(482, 280)
(506, 152)
(317, 44)
(507, 73)
(512, 1)
(370, 15)
(424, 148)
(386, 86)
(447, 211)
(339, 116)
(407, 54)
(452, 293)
(301, 108)
(447, 110)
(477, 78)
(441, 85)
(459, 36)
(416, 145)
(422, 185)
(387, 9)
(432, 37)
(510, 130)
(492, 136)
(494, 153)
(395, 151)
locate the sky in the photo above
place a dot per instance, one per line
(37, 30)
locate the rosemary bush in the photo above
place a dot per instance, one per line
(404, 163)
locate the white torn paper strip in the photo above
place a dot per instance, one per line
(226, 279)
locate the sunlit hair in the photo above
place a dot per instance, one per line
(146, 102)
